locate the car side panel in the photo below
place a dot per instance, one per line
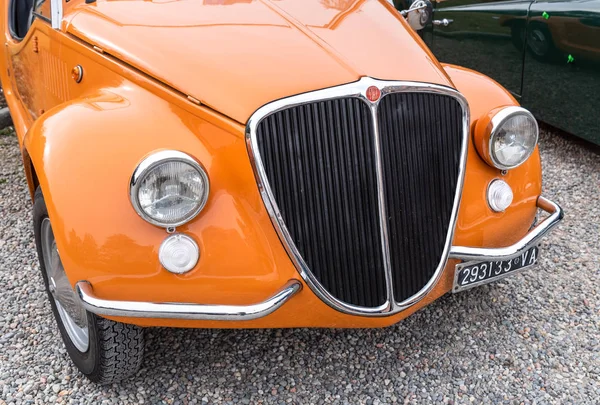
(561, 81)
(484, 36)
(25, 80)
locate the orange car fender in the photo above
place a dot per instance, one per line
(84, 153)
(477, 225)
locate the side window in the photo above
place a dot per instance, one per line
(41, 9)
(21, 13)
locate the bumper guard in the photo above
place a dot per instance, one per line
(191, 311)
(533, 238)
(137, 309)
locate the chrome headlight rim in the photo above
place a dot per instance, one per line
(153, 160)
(496, 123)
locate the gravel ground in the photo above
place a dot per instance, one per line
(532, 338)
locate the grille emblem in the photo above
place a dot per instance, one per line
(373, 93)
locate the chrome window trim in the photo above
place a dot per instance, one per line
(496, 122)
(56, 12)
(151, 161)
(358, 90)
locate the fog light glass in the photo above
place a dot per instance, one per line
(499, 196)
(178, 253)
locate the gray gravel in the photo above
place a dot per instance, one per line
(532, 338)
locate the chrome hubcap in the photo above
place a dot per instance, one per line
(72, 314)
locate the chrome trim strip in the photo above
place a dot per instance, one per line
(532, 238)
(357, 90)
(136, 309)
(56, 12)
(381, 203)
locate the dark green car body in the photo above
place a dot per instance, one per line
(547, 53)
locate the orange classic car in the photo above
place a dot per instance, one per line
(258, 164)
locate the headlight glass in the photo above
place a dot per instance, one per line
(169, 188)
(513, 138)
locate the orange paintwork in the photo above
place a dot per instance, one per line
(237, 57)
(81, 142)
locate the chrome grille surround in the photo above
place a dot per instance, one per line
(358, 90)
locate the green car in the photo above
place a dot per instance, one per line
(546, 53)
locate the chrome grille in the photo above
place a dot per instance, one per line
(363, 194)
(421, 147)
(319, 159)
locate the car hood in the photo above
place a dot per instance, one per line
(237, 55)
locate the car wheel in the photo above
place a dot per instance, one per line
(105, 351)
(539, 42)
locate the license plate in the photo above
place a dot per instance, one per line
(469, 275)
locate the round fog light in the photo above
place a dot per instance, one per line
(178, 253)
(499, 196)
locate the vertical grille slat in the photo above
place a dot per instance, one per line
(320, 162)
(421, 140)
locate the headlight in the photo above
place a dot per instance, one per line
(507, 137)
(169, 188)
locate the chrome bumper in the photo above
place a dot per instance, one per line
(469, 254)
(248, 312)
(184, 311)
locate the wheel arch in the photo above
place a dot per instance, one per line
(30, 173)
(84, 152)
(74, 154)
(483, 95)
(482, 92)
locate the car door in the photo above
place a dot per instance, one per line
(561, 81)
(22, 53)
(484, 35)
(38, 74)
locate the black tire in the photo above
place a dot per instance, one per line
(5, 118)
(115, 350)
